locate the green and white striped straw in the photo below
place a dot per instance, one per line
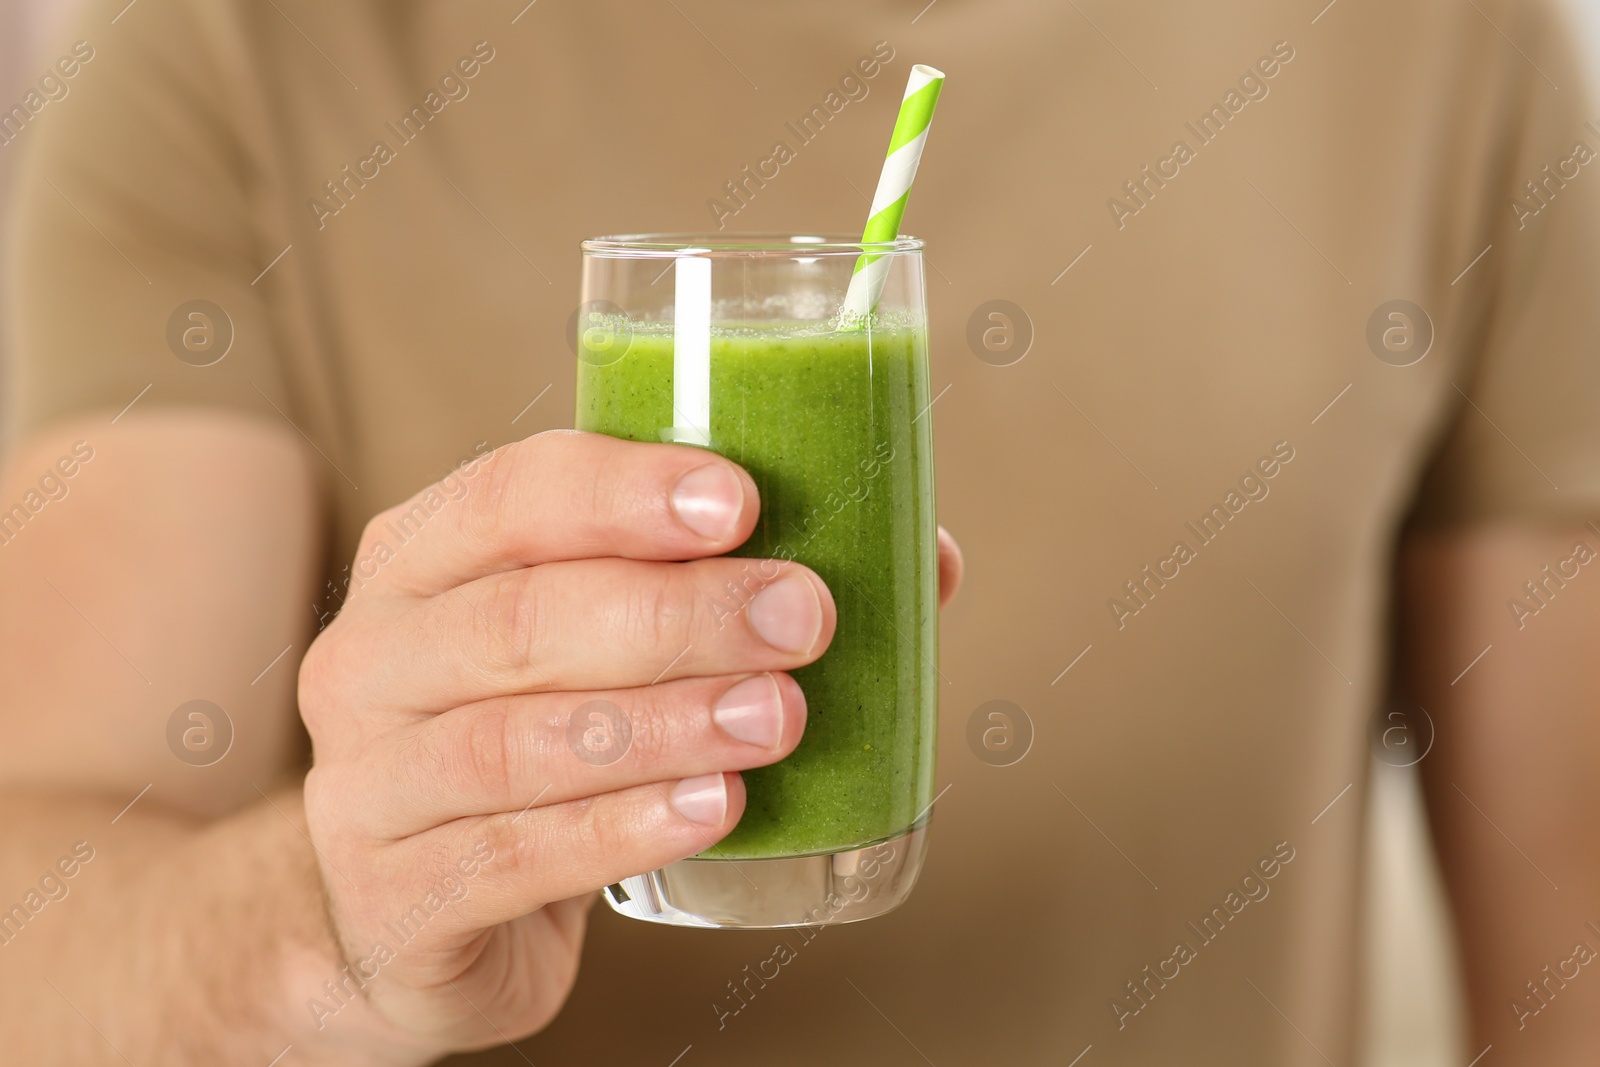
(894, 186)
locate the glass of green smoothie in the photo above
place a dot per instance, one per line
(739, 345)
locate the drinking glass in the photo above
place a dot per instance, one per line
(738, 345)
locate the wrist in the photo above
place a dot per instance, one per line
(267, 968)
(324, 1008)
(331, 1018)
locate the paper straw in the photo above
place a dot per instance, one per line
(691, 349)
(894, 186)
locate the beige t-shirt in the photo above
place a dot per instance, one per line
(1178, 507)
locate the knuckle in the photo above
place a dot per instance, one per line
(496, 490)
(594, 489)
(489, 754)
(653, 737)
(515, 624)
(373, 531)
(512, 841)
(316, 683)
(601, 832)
(333, 676)
(585, 837)
(650, 612)
(664, 609)
(630, 489)
(597, 494)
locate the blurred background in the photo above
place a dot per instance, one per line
(1412, 995)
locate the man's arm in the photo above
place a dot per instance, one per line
(1512, 783)
(176, 564)
(173, 563)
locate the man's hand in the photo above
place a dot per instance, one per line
(440, 702)
(462, 818)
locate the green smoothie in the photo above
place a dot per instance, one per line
(834, 429)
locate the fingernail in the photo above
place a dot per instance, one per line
(787, 614)
(752, 711)
(708, 500)
(703, 800)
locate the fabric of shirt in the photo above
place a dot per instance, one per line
(1281, 279)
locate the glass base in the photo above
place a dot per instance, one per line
(768, 894)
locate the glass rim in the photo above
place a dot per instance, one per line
(719, 245)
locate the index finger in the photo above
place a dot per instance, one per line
(560, 495)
